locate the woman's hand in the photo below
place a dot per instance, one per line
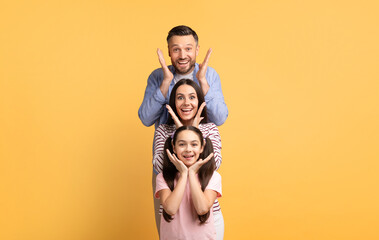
(196, 166)
(180, 166)
(177, 122)
(198, 117)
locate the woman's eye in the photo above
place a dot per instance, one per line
(180, 98)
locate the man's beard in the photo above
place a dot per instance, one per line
(190, 69)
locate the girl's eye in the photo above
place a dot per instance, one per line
(192, 97)
(180, 98)
(194, 145)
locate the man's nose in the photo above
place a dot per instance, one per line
(182, 54)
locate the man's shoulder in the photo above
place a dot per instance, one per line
(159, 71)
(211, 72)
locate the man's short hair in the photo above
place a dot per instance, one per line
(182, 31)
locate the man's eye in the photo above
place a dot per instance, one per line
(189, 49)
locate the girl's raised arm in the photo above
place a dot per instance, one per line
(202, 201)
(171, 200)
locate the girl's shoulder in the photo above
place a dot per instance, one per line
(216, 175)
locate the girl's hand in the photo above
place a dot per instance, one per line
(177, 122)
(195, 167)
(198, 118)
(180, 166)
(167, 74)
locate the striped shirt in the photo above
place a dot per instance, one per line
(164, 131)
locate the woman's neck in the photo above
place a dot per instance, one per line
(187, 122)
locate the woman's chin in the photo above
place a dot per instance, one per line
(187, 118)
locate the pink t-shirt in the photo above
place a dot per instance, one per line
(185, 223)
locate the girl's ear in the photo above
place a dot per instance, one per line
(173, 146)
(202, 148)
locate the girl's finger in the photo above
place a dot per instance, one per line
(208, 158)
(170, 155)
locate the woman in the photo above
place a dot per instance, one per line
(187, 107)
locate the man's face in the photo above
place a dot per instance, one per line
(183, 51)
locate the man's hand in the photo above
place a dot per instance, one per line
(177, 122)
(167, 74)
(200, 75)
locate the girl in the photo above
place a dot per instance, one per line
(187, 107)
(188, 186)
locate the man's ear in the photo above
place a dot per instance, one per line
(197, 50)
(168, 48)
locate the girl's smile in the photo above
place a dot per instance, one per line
(188, 147)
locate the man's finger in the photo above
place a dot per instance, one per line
(161, 58)
(206, 59)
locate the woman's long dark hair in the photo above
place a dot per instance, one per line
(200, 97)
(204, 174)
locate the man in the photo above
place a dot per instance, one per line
(183, 49)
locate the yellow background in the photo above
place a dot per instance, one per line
(300, 145)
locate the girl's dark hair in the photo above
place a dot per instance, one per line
(200, 97)
(205, 172)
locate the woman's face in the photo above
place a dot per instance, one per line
(188, 147)
(186, 103)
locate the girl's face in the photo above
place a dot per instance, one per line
(186, 103)
(188, 147)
